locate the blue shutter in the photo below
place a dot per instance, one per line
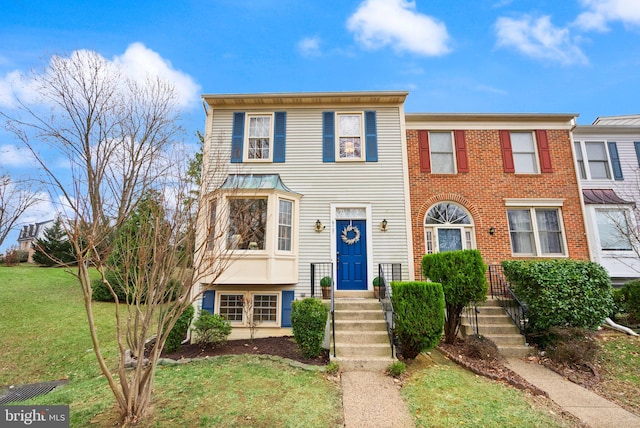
(328, 137)
(208, 300)
(279, 138)
(371, 136)
(287, 300)
(637, 144)
(615, 161)
(237, 137)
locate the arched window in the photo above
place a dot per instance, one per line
(448, 227)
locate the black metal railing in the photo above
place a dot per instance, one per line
(470, 313)
(319, 271)
(502, 292)
(385, 269)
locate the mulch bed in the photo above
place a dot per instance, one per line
(284, 347)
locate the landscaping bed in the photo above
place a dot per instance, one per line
(285, 347)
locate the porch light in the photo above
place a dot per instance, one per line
(492, 231)
(383, 225)
(319, 226)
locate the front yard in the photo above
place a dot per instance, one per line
(45, 337)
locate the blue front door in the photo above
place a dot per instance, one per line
(352, 254)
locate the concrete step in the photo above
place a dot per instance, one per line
(360, 325)
(353, 295)
(352, 305)
(367, 364)
(358, 337)
(515, 351)
(494, 319)
(491, 310)
(369, 314)
(368, 350)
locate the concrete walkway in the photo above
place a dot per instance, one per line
(371, 400)
(589, 407)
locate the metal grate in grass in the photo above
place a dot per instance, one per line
(11, 393)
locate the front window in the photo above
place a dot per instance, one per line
(613, 230)
(285, 218)
(448, 227)
(524, 153)
(536, 231)
(264, 308)
(231, 307)
(259, 136)
(247, 224)
(596, 165)
(350, 137)
(442, 157)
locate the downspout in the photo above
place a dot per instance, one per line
(583, 207)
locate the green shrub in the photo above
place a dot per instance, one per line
(179, 331)
(630, 300)
(397, 368)
(332, 368)
(211, 329)
(463, 278)
(561, 293)
(571, 346)
(325, 282)
(419, 315)
(11, 258)
(308, 321)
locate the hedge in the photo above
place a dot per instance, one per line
(561, 293)
(419, 315)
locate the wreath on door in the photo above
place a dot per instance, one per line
(355, 235)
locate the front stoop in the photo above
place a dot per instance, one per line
(495, 324)
(361, 341)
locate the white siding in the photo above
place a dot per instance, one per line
(380, 184)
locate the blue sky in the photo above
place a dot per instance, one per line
(570, 56)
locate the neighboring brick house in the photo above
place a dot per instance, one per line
(608, 164)
(504, 184)
(29, 234)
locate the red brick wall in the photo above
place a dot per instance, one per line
(482, 191)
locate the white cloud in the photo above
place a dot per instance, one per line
(137, 62)
(13, 156)
(396, 23)
(601, 12)
(538, 38)
(309, 46)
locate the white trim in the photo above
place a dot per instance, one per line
(585, 159)
(369, 235)
(536, 232)
(452, 140)
(245, 147)
(363, 156)
(407, 200)
(534, 202)
(536, 155)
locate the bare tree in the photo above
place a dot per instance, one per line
(15, 198)
(118, 137)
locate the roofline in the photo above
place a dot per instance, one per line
(606, 129)
(483, 117)
(306, 98)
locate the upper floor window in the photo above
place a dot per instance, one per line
(247, 224)
(350, 136)
(259, 137)
(593, 160)
(524, 153)
(442, 154)
(536, 231)
(613, 229)
(448, 227)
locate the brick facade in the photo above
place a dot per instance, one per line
(482, 191)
